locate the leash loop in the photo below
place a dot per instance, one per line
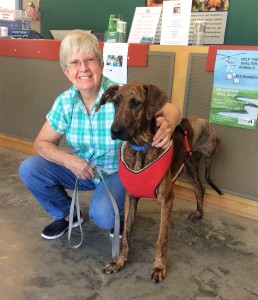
(75, 203)
(115, 239)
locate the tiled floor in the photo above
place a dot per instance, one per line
(215, 258)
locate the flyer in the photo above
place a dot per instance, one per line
(214, 14)
(235, 90)
(144, 25)
(175, 22)
(115, 61)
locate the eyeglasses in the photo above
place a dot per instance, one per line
(76, 64)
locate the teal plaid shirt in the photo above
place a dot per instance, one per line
(88, 134)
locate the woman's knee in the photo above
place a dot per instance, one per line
(102, 215)
(26, 168)
(101, 211)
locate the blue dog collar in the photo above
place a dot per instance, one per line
(141, 148)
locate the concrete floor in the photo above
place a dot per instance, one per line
(216, 258)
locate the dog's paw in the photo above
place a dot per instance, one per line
(195, 216)
(158, 274)
(112, 267)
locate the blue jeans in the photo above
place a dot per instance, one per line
(48, 183)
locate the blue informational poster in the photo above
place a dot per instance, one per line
(235, 90)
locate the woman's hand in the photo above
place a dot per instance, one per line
(79, 167)
(162, 137)
(167, 120)
(46, 144)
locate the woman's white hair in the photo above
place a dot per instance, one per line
(79, 40)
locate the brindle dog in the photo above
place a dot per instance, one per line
(136, 106)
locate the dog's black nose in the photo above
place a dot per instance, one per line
(116, 132)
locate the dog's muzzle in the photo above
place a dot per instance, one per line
(119, 132)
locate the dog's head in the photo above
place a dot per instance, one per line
(136, 106)
(214, 5)
(154, 2)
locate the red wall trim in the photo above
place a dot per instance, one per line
(49, 49)
(42, 49)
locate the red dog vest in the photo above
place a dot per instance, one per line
(144, 183)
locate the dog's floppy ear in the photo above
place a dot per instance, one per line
(107, 96)
(156, 99)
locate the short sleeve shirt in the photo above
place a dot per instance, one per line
(87, 133)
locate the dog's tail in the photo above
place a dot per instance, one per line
(207, 175)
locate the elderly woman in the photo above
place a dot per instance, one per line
(73, 115)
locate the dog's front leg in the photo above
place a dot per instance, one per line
(130, 208)
(158, 272)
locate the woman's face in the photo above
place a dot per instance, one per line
(84, 71)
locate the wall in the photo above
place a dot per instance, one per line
(242, 25)
(86, 14)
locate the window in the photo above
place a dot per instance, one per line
(11, 4)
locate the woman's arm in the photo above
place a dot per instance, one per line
(46, 145)
(167, 120)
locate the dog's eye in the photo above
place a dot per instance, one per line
(135, 103)
(217, 7)
(116, 101)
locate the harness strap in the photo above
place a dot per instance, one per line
(188, 150)
(185, 133)
(187, 146)
(178, 173)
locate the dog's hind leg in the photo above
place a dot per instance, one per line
(207, 175)
(192, 168)
(159, 267)
(130, 208)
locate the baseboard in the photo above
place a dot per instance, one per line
(16, 144)
(226, 202)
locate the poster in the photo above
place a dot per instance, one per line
(175, 22)
(115, 61)
(235, 89)
(214, 13)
